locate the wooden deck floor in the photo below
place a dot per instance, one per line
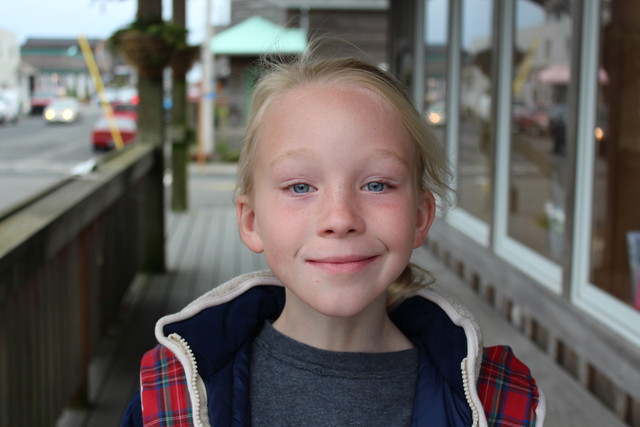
(203, 250)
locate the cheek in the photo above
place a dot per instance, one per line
(398, 220)
(281, 224)
(401, 210)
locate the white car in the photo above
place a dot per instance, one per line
(63, 110)
(9, 106)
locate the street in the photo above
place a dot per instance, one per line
(35, 155)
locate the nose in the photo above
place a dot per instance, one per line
(340, 215)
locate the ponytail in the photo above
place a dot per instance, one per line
(411, 280)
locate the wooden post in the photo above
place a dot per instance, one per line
(179, 135)
(151, 130)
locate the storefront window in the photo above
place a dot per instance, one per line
(436, 12)
(615, 239)
(538, 164)
(474, 163)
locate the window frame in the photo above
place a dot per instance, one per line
(473, 227)
(585, 294)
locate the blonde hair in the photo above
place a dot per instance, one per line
(432, 170)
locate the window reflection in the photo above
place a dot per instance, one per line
(474, 145)
(615, 242)
(542, 69)
(436, 65)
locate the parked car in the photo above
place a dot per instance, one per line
(9, 106)
(41, 100)
(63, 110)
(112, 95)
(127, 95)
(102, 138)
(533, 120)
(126, 110)
(5, 116)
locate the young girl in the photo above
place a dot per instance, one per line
(337, 184)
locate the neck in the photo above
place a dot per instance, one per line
(371, 331)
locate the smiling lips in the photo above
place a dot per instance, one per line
(343, 265)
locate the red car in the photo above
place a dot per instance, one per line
(533, 120)
(125, 110)
(102, 138)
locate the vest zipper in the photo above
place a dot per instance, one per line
(467, 392)
(192, 384)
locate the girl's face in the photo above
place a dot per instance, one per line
(334, 205)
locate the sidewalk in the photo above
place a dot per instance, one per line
(204, 250)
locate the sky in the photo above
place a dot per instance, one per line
(93, 18)
(100, 18)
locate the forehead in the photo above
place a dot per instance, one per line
(332, 111)
(335, 95)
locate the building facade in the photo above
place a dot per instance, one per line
(358, 27)
(542, 131)
(61, 67)
(9, 59)
(14, 74)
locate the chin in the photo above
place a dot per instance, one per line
(347, 306)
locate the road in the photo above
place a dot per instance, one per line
(35, 155)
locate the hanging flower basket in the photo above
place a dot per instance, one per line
(149, 44)
(183, 58)
(149, 53)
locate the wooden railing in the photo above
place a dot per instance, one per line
(66, 260)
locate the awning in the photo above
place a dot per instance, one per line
(258, 36)
(557, 74)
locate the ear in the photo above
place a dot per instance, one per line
(425, 216)
(246, 217)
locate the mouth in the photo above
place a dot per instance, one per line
(343, 265)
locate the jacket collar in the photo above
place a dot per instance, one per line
(431, 321)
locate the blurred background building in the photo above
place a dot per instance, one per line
(61, 68)
(286, 27)
(14, 78)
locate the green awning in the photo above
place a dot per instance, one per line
(258, 36)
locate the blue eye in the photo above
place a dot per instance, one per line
(376, 187)
(301, 188)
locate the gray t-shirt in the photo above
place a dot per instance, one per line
(293, 384)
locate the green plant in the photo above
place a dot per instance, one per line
(150, 45)
(174, 35)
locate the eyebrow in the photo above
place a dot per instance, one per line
(392, 154)
(298, 154)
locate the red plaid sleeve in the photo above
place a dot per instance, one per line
(164, 393)
(508, 393)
